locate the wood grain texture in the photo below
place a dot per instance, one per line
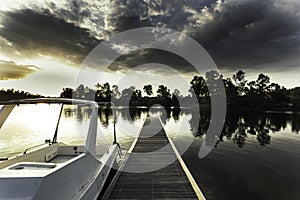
(152, 151)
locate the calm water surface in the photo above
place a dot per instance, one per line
(257, 155)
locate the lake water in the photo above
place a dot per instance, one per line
(257, 155)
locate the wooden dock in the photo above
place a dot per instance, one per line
(153, 169)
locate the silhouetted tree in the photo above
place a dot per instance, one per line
(106, 91)
(198, 85)
(258, 94)
(262, 84)
(251, 90)
(11, 94)
(175, 98)
(278, 94)
(295, 97)
(148, 89)
(137, 94)
(240, 82)
(230, 88)
(67, 93)
(103, 92)
(163, 92)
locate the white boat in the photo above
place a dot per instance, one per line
(57, 171)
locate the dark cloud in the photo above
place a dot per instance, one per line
(247, 34)
(250, 33)
(140, 57)
(125, 15)
(32, 33)
(11, 70)
(74, 11)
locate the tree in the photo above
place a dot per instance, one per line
(79, 92)
(148, 89)
(251, 88)
(67, 93)
(198, 87)
(98, 94)
(128, 92)
(103, 92)
(176, 93)
(231, 89)
(163, 92)
(106, 92)
(89, 94)
(213, 79)
(115, 91)
(294, 97)
(11, 94)
(137, 94)
(262, 84)
(175, 97)
(240, 82)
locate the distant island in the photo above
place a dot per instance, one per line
(241, 94)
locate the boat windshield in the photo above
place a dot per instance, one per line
(28, 125)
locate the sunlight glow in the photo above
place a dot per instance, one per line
(27, 126)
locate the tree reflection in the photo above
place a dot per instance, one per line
(176, 113)
(296, 123)
(199, 123)
(238, 126)
(105, 114)
(135, 113)
(240, 136)
(277, 122)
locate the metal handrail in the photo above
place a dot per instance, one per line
(49, 100)
(46, 142)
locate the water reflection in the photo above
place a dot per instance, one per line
(237, 128)
(105, 114)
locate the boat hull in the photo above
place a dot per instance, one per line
(82, 177)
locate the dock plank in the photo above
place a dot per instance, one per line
(152, 151)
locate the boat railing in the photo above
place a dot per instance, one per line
(90, 145)
(36, 146)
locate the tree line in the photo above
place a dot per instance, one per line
(10, 94)
(131, 95)
(240, 93)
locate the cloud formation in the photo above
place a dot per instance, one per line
(246, 34)
(10, 70)
(238, 34)
(30, 33)
(249, 32)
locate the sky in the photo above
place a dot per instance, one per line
(44, 42)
